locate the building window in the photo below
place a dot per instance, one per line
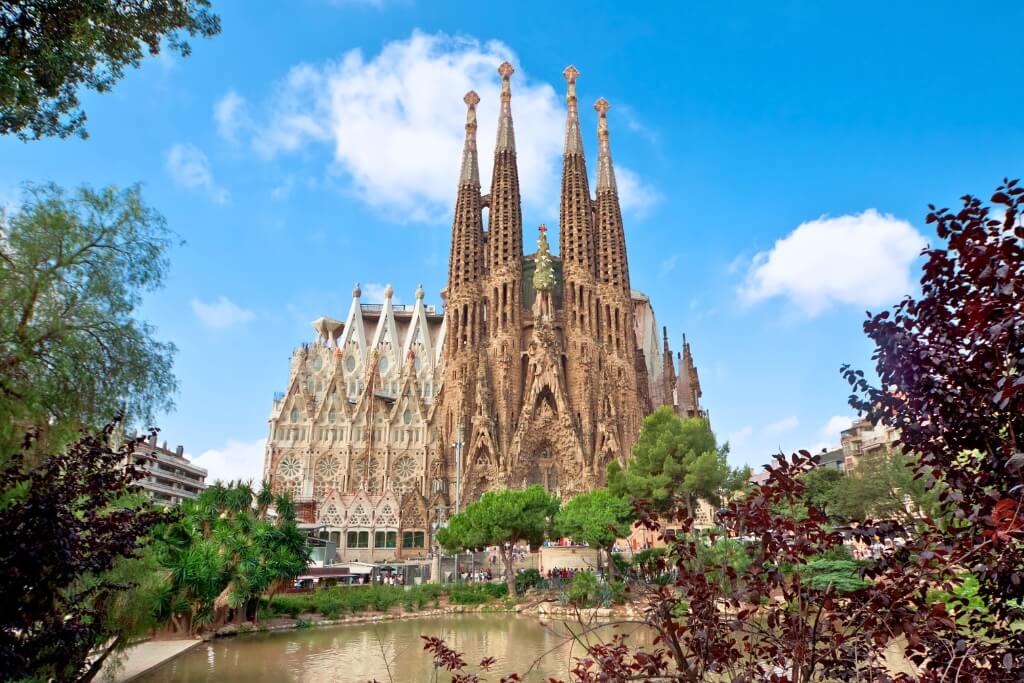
(358, 539)
(332, 415)
(350, 363)
(412, 539)
(295, 415)
(407, 416)
(385, 539)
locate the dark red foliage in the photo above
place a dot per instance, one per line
(951, 370)
(59, 524)
(950, 364)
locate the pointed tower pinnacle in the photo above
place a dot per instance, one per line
(465, 264)
(605, 172)
(506, 135)
(576, 243)
(613, 267)
(573, 137)
(505, 234)
(470, 174)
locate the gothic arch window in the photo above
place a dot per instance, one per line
(386, 517)
(383, 365)
(350, 362)
(294, 415)
(331, 516)
(332, 415)
(359, 516)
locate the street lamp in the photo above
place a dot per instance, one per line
(458, 468)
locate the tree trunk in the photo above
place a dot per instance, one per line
(97, 665)
(510, 577)
(611, 565)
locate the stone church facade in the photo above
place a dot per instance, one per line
(540, 369)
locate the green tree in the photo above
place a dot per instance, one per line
(49, 50)
(673, 459)
(502, 519)
(74, 267)
(599, 519)
(821, 483)
(227, 549)
(883, 486)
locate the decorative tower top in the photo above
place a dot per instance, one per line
(388, 291)
(470, 174)
(506, 135)
(356, 292)
(419, 293)
(573, 138)
(605, 173)
(544, 274)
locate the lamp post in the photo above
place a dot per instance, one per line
(458, 468)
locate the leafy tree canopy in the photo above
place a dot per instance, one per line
(503, 519)
(49, 50)
(227, 548)
(674, 458)
(74, 267)
(64, 525)
(597, 518)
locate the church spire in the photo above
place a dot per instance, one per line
(465, 264)
(613, 267)
(470, 174)
(506, 134)
(575, 214)
(605, 172)
(505, 234)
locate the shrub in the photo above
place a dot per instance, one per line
(527, 579)
(476, 594)
(842, 575)
(583, 590)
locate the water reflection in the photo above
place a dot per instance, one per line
(362, 652)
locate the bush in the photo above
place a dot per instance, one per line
(584, 590)
(476, 594)
(842, 575)
(527, 579)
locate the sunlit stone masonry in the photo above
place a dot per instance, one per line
(540, 369)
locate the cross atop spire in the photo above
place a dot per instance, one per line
(605, 173)
(470, 174)
(506, 136)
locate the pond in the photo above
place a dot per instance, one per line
(362, 652)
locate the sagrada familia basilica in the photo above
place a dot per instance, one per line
(540, 369)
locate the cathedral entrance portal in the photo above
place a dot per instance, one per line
(543, 470)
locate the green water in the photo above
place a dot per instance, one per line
(362, 652)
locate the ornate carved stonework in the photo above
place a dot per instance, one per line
(539, 371)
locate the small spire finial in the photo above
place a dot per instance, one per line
(570, 74)
(470, 173)
(388, 291)
(506, 138)
(605, 174)
(419, 293)
(356, 292)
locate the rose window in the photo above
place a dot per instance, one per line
(289, 467)
(327, 467)
(405, 467)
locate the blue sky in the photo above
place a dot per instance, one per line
(775, 160)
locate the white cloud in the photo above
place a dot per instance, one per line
(784, 425)
(740, 436)
(635, 196)
(395, 124)
(283, 190)
(862, 259)
(231, 116)
(221, 314)
(236, 460)
(373, 293)
(835, 425)
(189, 167)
